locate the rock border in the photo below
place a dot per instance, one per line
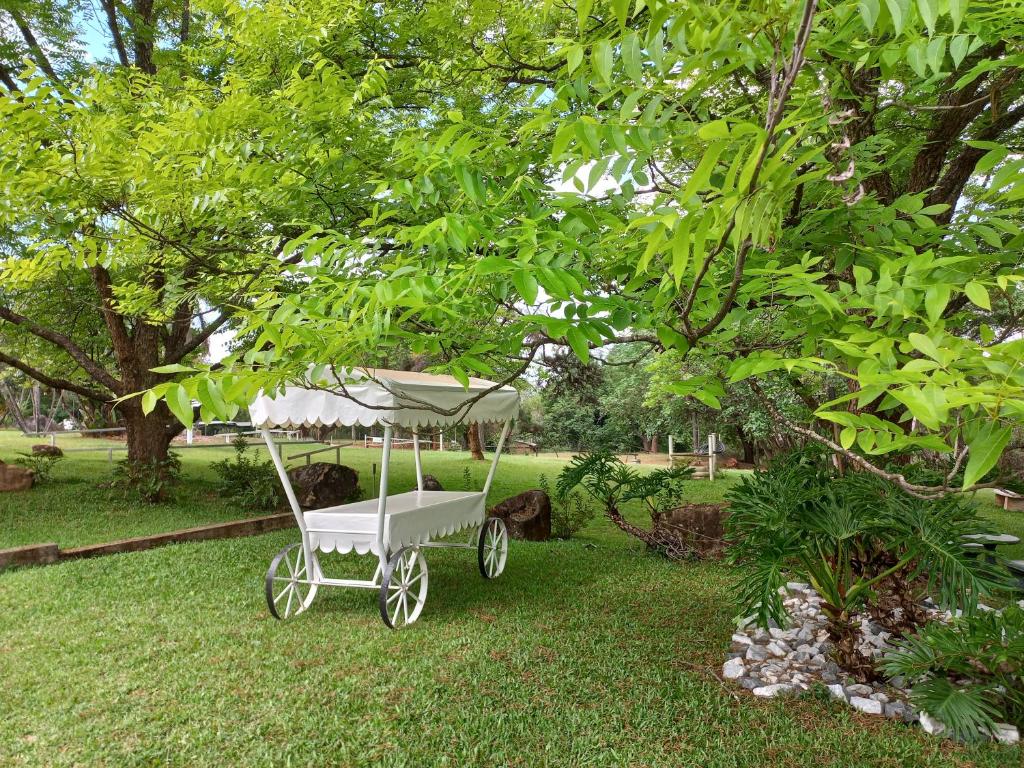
(775, 661)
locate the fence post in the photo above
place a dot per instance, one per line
(711, 456)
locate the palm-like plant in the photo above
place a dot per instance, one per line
(850, 537)
(969, 673)
(611, 484)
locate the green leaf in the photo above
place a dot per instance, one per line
(180, 403)
(631, 58)
(978, 294)
(869, 12)
(984, 451)
(898, 9)
(929, 10)
(670, 338)
(149, 398)
(583, 8)
(847, 436)
(925, 345)
(935, 300)
(573, 57)
(621, 8)
(526, 284)
(956, 12)
(173, 368)
(601, 60)
(579, 343)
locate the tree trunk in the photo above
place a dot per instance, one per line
(149, 437)
(476, 445)
(748, 447)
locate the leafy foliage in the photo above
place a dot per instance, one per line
(42, 466)
(151, 480)
(252, 483)
(570, 512)
(968, 674)
(848, 536)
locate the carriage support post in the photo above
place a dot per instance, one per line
(497, 455)
(419, 462)
(382, 499)
(293, 501)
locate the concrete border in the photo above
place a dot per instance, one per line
(44, 554)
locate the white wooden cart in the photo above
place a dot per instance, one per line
(394, 528)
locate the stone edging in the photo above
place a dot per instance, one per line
(45, 554)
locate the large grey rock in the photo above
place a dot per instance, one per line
(47, 450)
(431, 483)
(321, 484)
(527, 515)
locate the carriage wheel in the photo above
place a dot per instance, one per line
(288, 588)
(403, 590)
(492, 547)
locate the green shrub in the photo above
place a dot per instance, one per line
(251, 483)
(855, 538)
(149, 480)
(569, 513)
(42, 466)
(968, 674)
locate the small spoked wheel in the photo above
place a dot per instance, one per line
(290, 584)
(492, 547)
(403, 590)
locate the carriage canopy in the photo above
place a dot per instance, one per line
(368, 396)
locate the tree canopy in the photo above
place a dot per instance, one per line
(799, 191)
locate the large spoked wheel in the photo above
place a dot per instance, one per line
(290, 584)
(403, 590)
(492, 548)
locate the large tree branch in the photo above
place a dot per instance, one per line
(38, 55)
(951, 185)
(920, 491)
(778, 96)
(7, 79)
(115, 32)
(50, 381)
(90, 366)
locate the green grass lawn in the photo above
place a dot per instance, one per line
(583, 653)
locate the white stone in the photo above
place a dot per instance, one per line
(931, 725)
(870, 706)
(743, 639)
(797, 586)
(836, 691)
(769, 691)
(1006, 733)
(777, 633)
(778, 649)
(859, 689)
(756, 653)
(733, 669)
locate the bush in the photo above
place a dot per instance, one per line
(968, 674)
(248, 481)
(861, 542)
(149, 480)
(569, 513)
(42, 466)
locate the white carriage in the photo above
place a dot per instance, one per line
(396, 529)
